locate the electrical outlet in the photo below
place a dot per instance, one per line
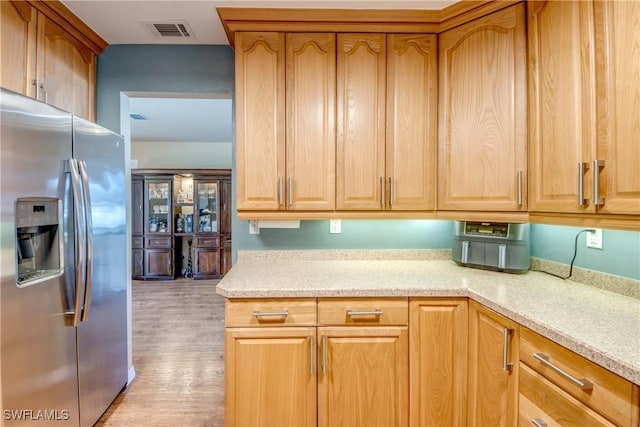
(254, 227)
(335, 226)
(594, 238)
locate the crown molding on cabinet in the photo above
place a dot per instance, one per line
(355, 20)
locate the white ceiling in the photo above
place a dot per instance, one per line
(193, 120)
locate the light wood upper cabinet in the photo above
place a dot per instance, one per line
(18, 46)
(260, 120)
(67, 70)
(362, 378)
(310, 121)
(618, 105)
(482, 114)
(411, 121)
(561, 103)
(493, 368)
(270, 377)
(438, 362)
(361, 121)
(47, 61)
(386, 122)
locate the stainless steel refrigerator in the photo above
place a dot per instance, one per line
(63, 267)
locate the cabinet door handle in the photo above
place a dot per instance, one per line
(291, 190)
(582, 168)
(597, 200)
(519, 188)
(506, 366)
(392, 191)
(383, 192)
(324, 354)
(311, 354)
(376, 312)
(582, 383)
(258, 314)
(538, 422)
(280, 190)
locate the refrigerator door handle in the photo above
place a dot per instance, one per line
(72, 168)
(88, 226)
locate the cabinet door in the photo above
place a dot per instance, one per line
(158, 263)
(137, 263)
(158, 206)
(363, 376)
(67, 70)
(270, 377)
(360, 121)
(493, 368)
(483, 106)
(206, 218)
(438, 362)
(18, 46)
(207, 262)
(561, 103)
(225, 207)
(311, 135)
(137, 207)
(411, 121)
(260, 120)
(618, 92)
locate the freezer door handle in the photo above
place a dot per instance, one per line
(71, 167)
(88, 226)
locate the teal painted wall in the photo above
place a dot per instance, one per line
(620, 253)
(210, 69)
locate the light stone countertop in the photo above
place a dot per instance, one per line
(600, 325)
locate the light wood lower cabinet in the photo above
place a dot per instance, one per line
(438, 362)
(493, 368)
(270, 377)
(363, 376)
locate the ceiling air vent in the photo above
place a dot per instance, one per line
(172, 28)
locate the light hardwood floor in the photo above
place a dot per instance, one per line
(178, 355)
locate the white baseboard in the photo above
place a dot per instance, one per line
(132, 375)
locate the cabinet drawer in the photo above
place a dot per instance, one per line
(157, 242)
(137, 242)
(544, 404)
(207, 242)
(609, 394)
(270, 312)
(363, 311)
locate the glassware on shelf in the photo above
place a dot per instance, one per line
(181, 198)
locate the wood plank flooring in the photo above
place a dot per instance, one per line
(178, 355)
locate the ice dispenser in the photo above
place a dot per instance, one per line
(496, 246)
(38, 240)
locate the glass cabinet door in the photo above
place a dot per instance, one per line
(207, 206)
(159, 206)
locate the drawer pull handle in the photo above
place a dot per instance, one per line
(376, 312)
(258, 314)
(584, 384)
(506, 366)
(582, 168)
(538, 422)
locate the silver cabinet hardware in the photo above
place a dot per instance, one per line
(280, 190)
(324, 354)
(538, 422)
(291, 190)
(376, 312)
(582, 168)
(597, 165)
(392, 191)
(519, 188)
(283, 313)
(506, 366)
(583, 383)
(383, 192)
(311, 353)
